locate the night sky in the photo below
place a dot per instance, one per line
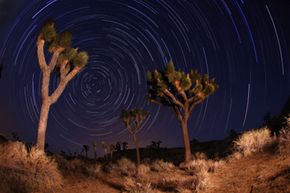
(243, 43)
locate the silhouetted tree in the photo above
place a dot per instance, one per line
(133, 120)
(124, 145)
(182, 92)
(86, 149)
(112, 150)
(65, 60)
(94, 145)
(156, 144)
(15, 136)
(106, 148)
(118, 146)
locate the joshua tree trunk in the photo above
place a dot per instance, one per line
(137, 149)
(186, 141)
(42, 125)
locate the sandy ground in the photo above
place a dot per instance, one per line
(261, 173)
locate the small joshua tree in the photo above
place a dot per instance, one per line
(94, 145)
(86, 149)
(65, 60)
(133, 120)
(106, 148)
(181, 91)
(124, 146)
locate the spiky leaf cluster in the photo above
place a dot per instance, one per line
(133, 118)
(194, 85)
(63, 40)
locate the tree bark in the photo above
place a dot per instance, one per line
(42, 125)
(137, 149)
(186, 141)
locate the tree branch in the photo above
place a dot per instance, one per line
(172, 97)
(63, 71)
(193, 104)
(178, 113)
(182, 93)
(40, 53)
(63, 82)
(54, 58)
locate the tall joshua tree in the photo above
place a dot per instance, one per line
(65, 60)
(133, 120)
(182, 92)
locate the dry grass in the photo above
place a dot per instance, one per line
(27, 172)
(261, 172)
(284, 141)
(134, 186)
(143, 170)
(161, 166)
(125, 167)
(253, 141)
(201, 169)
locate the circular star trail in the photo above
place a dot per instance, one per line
(240, 43)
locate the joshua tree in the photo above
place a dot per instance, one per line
(106, 148)
(112, 150)
(86, 148)
(65, 60)
(124, 145)
(118, 146)
(94, 145)
(181, 91)
(133, 120)
(156, 144)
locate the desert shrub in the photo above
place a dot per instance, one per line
(160, 166)
(143, 169)
(253, 141)
(108, 167)
(175, 182)
(284, 138)
(284, 141)
(201, 169)
(235, 156)
(133, 186)
(199, 155)
(63, 164)
(126, 167)
(200, 165)
(82, 168)
(27, 172)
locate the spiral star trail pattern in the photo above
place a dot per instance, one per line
(241, 43)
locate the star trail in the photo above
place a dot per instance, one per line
(243, 44)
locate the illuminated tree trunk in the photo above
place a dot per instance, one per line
(186, 141)
(42, 125)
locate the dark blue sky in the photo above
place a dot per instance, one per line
(244, 44)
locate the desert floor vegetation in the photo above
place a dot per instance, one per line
(250, 167)
(27, 171)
